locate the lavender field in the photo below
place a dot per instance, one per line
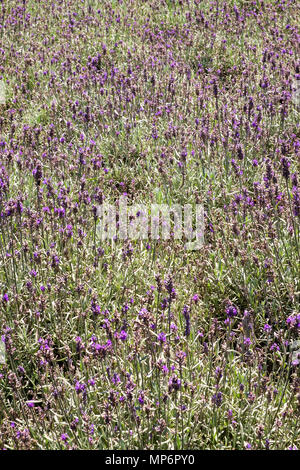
(141, 343)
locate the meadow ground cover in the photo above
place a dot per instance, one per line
(143, 344)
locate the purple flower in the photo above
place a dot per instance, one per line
(116, 379)
(161, 337)
(123, 335)
(274, 347)
(141, 399)
(285, 164)
(293, 321)
(186, 315)
(218, 372)
(267, 444)
(231, 311)
(174, 383)
(80, 388)
(217, 399)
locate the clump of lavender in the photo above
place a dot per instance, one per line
(103, 341)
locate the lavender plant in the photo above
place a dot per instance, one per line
(142, 344)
